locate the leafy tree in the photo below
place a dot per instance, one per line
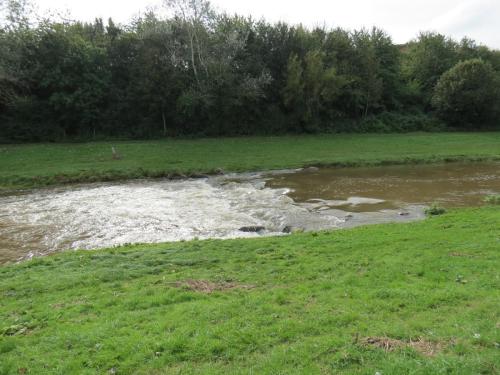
(427, 59)
(468, 95)
(389, 69)
(16, 15)
(156, 81)
(16, 38)
(311, 89)
(195, 17)
(69, 78)
(293, 94)
(368, 83)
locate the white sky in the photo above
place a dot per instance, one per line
(402, 19)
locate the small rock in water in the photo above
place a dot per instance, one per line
(219, 171)
(289, 229)
(252, 229)
(402, 213)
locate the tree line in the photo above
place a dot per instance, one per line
(192, 71)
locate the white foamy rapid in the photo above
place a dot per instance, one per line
(148, 211)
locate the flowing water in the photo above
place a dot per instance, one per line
(247, 205)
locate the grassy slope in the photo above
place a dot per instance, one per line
(35, 165)
(305, 304)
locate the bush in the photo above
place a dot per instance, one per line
(395, 122)
(434, 210)
(468, 94)
(492, 199)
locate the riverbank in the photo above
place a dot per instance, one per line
(38, 165)
(417, 298)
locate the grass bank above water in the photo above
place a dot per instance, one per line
(419, 298)
(27, 166)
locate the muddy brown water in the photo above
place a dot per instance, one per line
(150, 211)
(450, 185)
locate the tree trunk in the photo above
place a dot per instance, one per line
(200, 56)
(164, 124)
(195, 70)
(366, 107)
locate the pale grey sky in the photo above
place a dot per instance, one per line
(478, 19)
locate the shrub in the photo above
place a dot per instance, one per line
(467, 95)
(435, 210)
(492, 199)
(394, 122)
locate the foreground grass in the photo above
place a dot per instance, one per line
(45, 164)
(300, 304)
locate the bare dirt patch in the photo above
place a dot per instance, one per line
(462, 255)
(204, 286)
(63, 305)
(424, 347)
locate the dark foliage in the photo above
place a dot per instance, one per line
(200, 73)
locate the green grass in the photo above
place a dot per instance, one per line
(302, 304)
(35, 165)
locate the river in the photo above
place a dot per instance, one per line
(240, 205)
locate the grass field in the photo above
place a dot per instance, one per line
(418, 298)
(35, 165)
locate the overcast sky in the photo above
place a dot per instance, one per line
(478, 19)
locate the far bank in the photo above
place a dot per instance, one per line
(38, 165)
